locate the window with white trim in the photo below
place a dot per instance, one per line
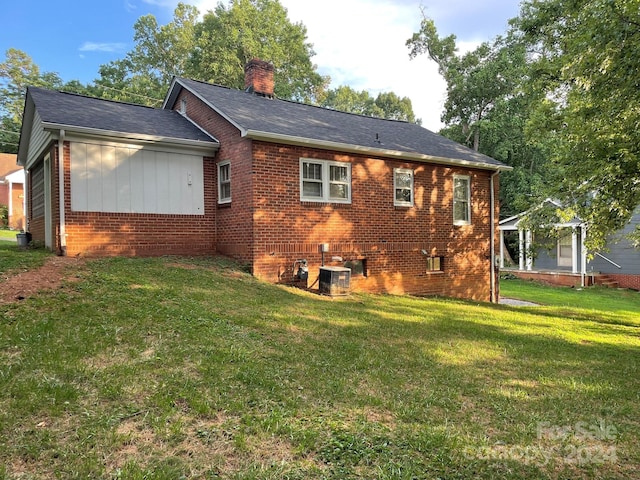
(325, 181)
(403, 187)
(224, 182)
(461, 200)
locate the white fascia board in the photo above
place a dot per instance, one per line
(212, 146)
(344, 147)
(169, 93)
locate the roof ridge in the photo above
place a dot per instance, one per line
(296, 102)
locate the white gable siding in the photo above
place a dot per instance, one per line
(37, 140)
(131, 179)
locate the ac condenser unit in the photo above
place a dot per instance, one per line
(335, 280)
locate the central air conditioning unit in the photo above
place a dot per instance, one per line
(335, 281)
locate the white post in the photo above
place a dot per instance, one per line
(574, 250)
(528, 250)
(583, 251)
(521, 249)
(10, 206)
(501, 249)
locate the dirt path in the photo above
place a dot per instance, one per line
(18, 286)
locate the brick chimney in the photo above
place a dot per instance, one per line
(258, 78)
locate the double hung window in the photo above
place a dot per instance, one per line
(403, 187)
(325, 181)
(224, 182)
(461, 200)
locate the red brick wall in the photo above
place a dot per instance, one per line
(562, 279)
(234, 232)
(626, 281)
(390, 238)
(97, 234)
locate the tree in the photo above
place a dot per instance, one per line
(232, 35)
(586, 61)
(215, 50)
(346, 99)
(395, 108)
(385, 105)
(17, 72)
(475, 80)
(488, 104)
(160, 52)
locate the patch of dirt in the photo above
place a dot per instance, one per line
(16, 286)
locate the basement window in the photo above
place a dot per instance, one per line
(325, 181)
(224, 182)
(358, 267)
(434, 264)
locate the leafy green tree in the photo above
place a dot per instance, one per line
(346, 99)
(395, 108)
(586, 61)
(475, 80)
(489, 100)
(231, 35)
(17, 72)
(215, 50)
(385, 105)
(160, 52)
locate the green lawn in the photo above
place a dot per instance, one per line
(13, 258)
(616, 305)
(7, 235)
(172, 368)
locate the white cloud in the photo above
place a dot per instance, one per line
(102, 47)
(361, 43)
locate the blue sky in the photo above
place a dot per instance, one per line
(360, 43)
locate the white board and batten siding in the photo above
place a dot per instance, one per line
(116, 178)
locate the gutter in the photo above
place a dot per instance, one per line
(344, 147)
(63, 230)
(198, 144)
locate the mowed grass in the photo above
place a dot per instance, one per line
(606, 304)
(14, 259)
(9, 235)
(173, 368)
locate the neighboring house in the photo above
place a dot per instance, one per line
(12, 190)
(564, 259)
(267, 181)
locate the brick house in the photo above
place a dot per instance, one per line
(267, 181)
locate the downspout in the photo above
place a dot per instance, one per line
(492, 249)
(63, 233)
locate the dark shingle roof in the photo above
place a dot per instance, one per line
(74, 110)
(279, 117)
